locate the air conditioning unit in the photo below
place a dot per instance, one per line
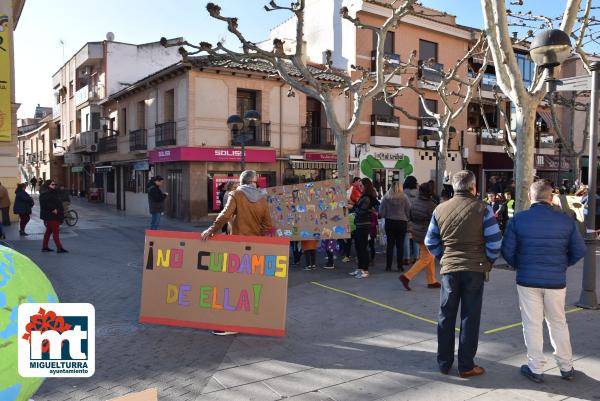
(93, 148)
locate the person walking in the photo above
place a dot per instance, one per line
(248, 210)
(4, 205)
(541, 243)
(51, 211)
(33, 183)
(156, 201)
(464, 234)
(420, 216)
(23, 204)
(362, 219)
(395, 209)
(411, 249)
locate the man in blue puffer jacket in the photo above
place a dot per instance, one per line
(540, 244)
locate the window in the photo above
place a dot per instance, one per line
(71, 128)
(428, 51)
(71, 89)
(95, 120)
(388, 46)
(87, 122)
(431, 105)
(246, 100)
(169, 106)
(141, 114)
(380, 107)
(123, 121)
(526, 67)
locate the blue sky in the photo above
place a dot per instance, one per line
(38, 52)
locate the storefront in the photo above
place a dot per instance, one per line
(497, 173)
(548, 166)
(189, 174)
(384, 166)
(311, 166)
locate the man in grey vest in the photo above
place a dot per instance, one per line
(464, 234)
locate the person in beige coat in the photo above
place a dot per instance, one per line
(4, 205)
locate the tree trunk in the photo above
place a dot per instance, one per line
(442, 157)
(342, 151)
(525, 119)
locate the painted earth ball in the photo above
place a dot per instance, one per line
(21, 281)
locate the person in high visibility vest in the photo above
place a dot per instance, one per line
(510, 205)
(506, 210)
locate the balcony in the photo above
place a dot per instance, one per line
(257, 136)
(426, 126)
(56, 111)
(385, 130)
(85, 142)
(317, 138)
(391, 60)
(138, 140)
(431, 73)
(165, 134)
(86, 93)
(544, 140)
(492, 137)
(108, 144)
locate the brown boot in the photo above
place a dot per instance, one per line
(476, 371)
(404, 281)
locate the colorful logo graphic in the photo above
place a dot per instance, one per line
(56, 340)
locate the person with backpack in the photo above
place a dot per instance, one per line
(363, 210)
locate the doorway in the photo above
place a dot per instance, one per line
(175, 197)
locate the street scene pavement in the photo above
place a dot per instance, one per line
(346, 339)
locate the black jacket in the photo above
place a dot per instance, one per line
(156, 199)
(363, 209)
(50, 201)
(23, 202)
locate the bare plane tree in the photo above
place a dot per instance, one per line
(509, 78)
(455, 92)
(306, 80)
(572, 105)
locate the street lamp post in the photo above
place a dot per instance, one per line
(560, 146)
(239, 128)
(548, 50)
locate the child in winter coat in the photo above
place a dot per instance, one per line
(329, 246)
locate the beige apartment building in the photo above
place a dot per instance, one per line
(174, 123)
(10, 11)
(90, 76)
(35, 137)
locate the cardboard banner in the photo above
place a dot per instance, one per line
(5, 81)
(314, 210)
(229, 283)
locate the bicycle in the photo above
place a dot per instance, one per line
(71, 217)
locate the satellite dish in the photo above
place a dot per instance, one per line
(110, 36)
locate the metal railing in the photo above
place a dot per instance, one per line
(544, 141)
(108, 144)
(138, 140)
(492, 136)
(317, 138)
(432, 72)
(391, 60)
(388, 126)
(426, 126)
(165, 134)
(259, 136)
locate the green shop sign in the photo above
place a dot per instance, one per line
(374, 162)
(76, 169)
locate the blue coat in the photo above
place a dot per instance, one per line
(540, 243)
(23, 202)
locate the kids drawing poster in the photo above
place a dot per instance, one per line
(229, 283)
(313, 210)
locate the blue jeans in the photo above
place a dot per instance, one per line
(155, 221)
(465, 288)
(411, 249)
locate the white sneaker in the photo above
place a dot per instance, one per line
(345, 259)
(355, 272)
(224, 333)
(307, 268)
(329, 267)
(362, 274)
